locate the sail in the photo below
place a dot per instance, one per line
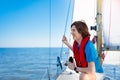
(83, 12)
(111, 24)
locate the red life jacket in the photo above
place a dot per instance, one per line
(79, 54)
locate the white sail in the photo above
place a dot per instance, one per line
(85, 10)
(111, 24)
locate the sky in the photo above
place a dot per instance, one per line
(34, 23)
(42, 23)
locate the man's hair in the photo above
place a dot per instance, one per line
(81, 28)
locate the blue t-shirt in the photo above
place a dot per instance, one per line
(92, 56)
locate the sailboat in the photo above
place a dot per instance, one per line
(103, 30)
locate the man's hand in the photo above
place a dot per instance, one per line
(64, 39)
(71, 65)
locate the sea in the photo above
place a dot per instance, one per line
(42, 63)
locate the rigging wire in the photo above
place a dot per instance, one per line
(109, 24)
(65, 28)
(70, 39)
(49, 39)
(105, 54)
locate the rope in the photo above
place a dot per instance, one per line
(65, 28)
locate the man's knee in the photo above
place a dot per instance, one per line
(83, 76)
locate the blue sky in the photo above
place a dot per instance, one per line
(26, 23)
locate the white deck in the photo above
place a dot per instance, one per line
(68, 75)
(71, 75)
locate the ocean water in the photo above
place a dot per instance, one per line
(29, 63)
(39, 64)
